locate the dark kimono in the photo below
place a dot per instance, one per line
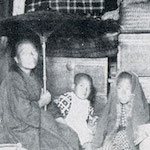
(23, 121)
(108, 127)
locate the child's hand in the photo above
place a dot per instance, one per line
(92, 122)
(61, 120)
(45, 98)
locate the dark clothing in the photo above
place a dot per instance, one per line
(23, 121)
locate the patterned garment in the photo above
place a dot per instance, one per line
(120, 141)
(64, 104)
(123, 120)
(93, 7)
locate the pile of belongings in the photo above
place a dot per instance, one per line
(135, 16)
(94, 8)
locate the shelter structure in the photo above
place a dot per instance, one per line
(76, 41)
(134, 41)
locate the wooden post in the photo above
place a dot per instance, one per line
(43, 42)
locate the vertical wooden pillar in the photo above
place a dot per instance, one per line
(5, 11)
(5, 8)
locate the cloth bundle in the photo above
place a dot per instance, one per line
(93, 7)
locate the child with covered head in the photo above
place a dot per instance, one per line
(126, 110)
(76, 108)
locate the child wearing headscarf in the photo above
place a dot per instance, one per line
(126, 110)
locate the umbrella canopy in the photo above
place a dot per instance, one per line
(48, 21)
(68, 31)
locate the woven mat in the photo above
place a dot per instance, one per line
(135, 18)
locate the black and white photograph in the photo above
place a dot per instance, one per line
(74, 74)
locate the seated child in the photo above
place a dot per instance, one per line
(76, 108)
(126, 110)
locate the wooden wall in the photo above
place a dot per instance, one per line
(134, 55)
(61, 71)
(5, 8)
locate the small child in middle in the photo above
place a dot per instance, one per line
(77, 110)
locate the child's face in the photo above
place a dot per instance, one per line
(83, 89)
(124, 91)
(27, 56)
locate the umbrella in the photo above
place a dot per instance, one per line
(47, 23)
(43, 22)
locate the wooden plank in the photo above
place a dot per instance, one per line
(134, 53)
(135, 17)
(61, 71)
